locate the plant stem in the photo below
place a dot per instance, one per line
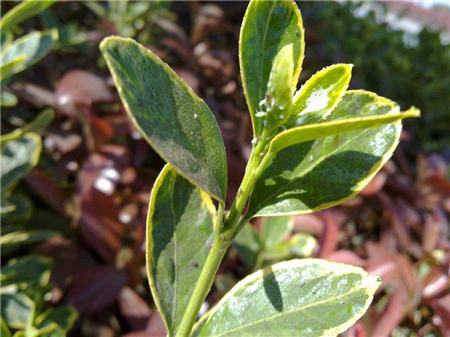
(224, 234)
(205, 281)
(257, 163)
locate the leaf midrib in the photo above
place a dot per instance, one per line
(175, 256)
(290, 312)
(261, 65)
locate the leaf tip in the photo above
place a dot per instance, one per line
(108, 41)
(372, 283)
(412, 112)
(348, 67)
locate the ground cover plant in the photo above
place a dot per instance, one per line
(312, 148)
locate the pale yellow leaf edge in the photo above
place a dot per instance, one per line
(369, 282)
(117, 39)
(206, 201)
(361, 184)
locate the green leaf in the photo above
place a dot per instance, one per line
(21, 12)
(15, 309)
(305, 298)
(268, 26)
(176, 123)
(27, 272)
(275, 229)
(299, 245)
(247, 245)
(56, 331)
(18, 157)
(37, 125)
(280, 89)
(321, 173)
(65, 316)
(309, 132)
(14, 240)
(4, 330)
(317, 98)
(22, 209)
(9, 68)
(7, 98)
(179, 232)
(29, 49)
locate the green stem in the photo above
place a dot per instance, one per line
(219, 219)
(257, 162)
(259, 261)
(224, 233)
(201, 290)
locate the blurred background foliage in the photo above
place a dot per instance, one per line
(76, 176)
(408, 73)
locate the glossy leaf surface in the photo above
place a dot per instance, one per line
(321, 93)
(305, 298)
(320, 173)
(15, 309)
(268, 26)
(18, 157)
(179, 232)
(23, 11)
(176, 123)
(24, 52)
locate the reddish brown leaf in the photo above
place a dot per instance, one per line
(375, 185)
(441, 307)
(156, 327)
(346, 256)
(391, 317)
(309, 223)
(97, 182)
(329, 238)
(134, 309)
(80, 88)
(437, 282)
(95, 288)
(45, 188)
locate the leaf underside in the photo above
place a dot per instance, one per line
(179, 232)
(305, 298)
(170, 116)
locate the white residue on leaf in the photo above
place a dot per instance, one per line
(318, 100)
